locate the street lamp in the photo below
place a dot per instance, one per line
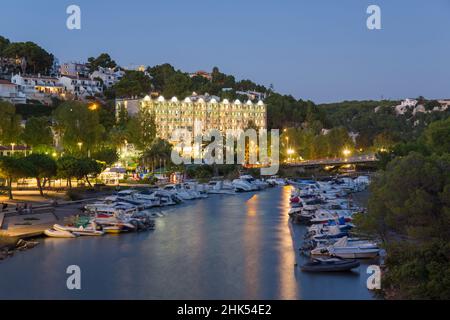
(80, 144)
(346, 152)
(12, 147)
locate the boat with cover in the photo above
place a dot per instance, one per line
(329, 265)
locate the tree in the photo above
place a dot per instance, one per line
(38, 134)
(10, 128)
(409, 210)
(41, 167)
(177, 85)
(338, 140)
(103, 60)
(141, 129)
(69, 167)
(86, 167)
(383, 140)
(133, 83)
(160, 150)
(437, 136)
(13, 168)
(79, 127)
(38, 60)
(107, 155)
(4, 43)
(160, 74)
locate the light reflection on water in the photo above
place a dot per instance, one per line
(223, 247)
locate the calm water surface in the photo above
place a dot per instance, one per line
(223, 247)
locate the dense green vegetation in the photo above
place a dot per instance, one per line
(409, 210)
(37, 60)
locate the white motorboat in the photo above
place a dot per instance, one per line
(241, 185)
(255, 183)
(175, 189)
(353, 250)
(59, 234)
(220, 187)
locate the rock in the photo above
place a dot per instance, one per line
(32, 244)
(21, 243)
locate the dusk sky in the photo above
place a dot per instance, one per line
(318, 50)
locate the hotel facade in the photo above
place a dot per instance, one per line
(206, 110)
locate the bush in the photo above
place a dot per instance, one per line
(74, 195)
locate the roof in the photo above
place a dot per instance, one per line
(39, 77)
(6, 82)
(76, 78)
(16, 148)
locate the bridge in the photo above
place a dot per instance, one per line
(362, 159)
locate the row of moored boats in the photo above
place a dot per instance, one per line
(131, 209)
(326, 209)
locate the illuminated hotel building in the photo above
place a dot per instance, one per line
(210, 111)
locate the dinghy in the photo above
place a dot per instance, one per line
(79, 231)
(113, 229)
(329, 265)
(59, 234)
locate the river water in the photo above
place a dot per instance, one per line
(223, 247)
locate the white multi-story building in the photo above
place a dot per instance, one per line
(74, 69)
(38, 87)
(9, 92)
(109, 76)
(186, 114)
(81, 87)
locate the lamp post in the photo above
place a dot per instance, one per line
(290, 152)
(80, 144)
(346, 152)
(12, 148)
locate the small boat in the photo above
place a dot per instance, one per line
(59, 234)
(113, 229)
(348, 250)
(79, 231)
(329, 265)
(354, 252)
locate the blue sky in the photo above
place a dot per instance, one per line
(319, 50)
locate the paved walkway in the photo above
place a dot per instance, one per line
(27, 225)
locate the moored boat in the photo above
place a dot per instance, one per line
(329, 265)
(79, 231)
(59, 234)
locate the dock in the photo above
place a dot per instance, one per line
(27, 225)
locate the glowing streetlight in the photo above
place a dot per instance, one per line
(290, 151)
(346, 152)
(12, 147)
(80, 144)
(93, 107)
